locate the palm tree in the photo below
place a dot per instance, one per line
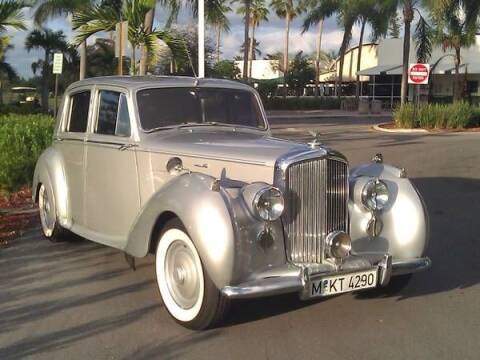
(258, 13)
(378, 15)
(50, 41)
(46, 9)
(246, 4)
(11, 15)
(6, 70)
(347, 15)
(288, 10)
(98, 18)
(409, 7)
(457, 25)
(217, 18)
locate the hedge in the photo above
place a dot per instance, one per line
(22, 140)
(459, 115)
(302, 103)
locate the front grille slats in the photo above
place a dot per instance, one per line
(316, 198)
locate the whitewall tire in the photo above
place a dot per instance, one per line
(48, 215)
(187, 291)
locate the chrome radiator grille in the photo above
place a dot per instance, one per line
(316, 198)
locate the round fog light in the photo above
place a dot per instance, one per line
(339, 245)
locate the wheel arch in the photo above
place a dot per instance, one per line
(205, 215)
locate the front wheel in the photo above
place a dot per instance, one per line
(187, 291)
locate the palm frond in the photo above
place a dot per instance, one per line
(11, 15)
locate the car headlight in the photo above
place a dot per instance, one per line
(268, 203)
(375, 195)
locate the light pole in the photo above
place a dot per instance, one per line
(201, 39)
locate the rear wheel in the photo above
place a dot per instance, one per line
(187, 291)
(48, 215)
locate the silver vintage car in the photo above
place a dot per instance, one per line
(187, 169)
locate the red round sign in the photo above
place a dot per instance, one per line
(419, 74)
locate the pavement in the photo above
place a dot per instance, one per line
(80, 300)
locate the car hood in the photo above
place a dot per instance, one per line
(234, 145)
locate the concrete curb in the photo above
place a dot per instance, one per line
(399, 131)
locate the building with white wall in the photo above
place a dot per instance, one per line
(381, 71)
(262, 69)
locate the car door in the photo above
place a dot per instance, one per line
(112, 190)
(70, 143)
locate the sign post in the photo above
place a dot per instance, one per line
(57, 70)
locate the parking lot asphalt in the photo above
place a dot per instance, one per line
(80, 300)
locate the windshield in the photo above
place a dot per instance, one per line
(195, 106)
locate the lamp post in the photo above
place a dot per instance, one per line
(201, 39)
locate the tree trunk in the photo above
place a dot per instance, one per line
(359, 57)
(219, 33)
(457, 88)
(148, 23)
(82, 49)
(133, 68)
(317, 58)
(252, 47)
(246, 37)
(343, 49)
(285, 54)
(45, 80)
(408, 18)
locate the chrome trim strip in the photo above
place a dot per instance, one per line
(294, 281)
(409, 266)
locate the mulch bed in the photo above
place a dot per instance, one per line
(392, 126)
(17, 214)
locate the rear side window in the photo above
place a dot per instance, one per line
(113, 117)
(80, 104)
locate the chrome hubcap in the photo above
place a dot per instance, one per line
(47, 215)
(182, 275)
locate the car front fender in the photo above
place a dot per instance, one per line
(225, 233)
(50, 171)
(405, 219)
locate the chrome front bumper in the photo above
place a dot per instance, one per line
(291, 278)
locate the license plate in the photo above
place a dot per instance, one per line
(338, 284)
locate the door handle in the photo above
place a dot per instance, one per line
(126, 147)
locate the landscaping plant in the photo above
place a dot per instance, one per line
(22, 140)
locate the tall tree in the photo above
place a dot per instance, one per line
(258, 13)
(98, 18)
(288, 10)
(46, 9)
(50, 41)
(378, 14)
(217, 18)
(457, 24)
(347, 15)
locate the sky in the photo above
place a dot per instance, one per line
(270, 35)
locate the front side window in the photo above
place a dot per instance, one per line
(113, 117)
(79, 107)
(166, 107)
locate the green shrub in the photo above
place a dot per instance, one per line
(22, 140)
(25, 109)
(459, 115)
(302, 103)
